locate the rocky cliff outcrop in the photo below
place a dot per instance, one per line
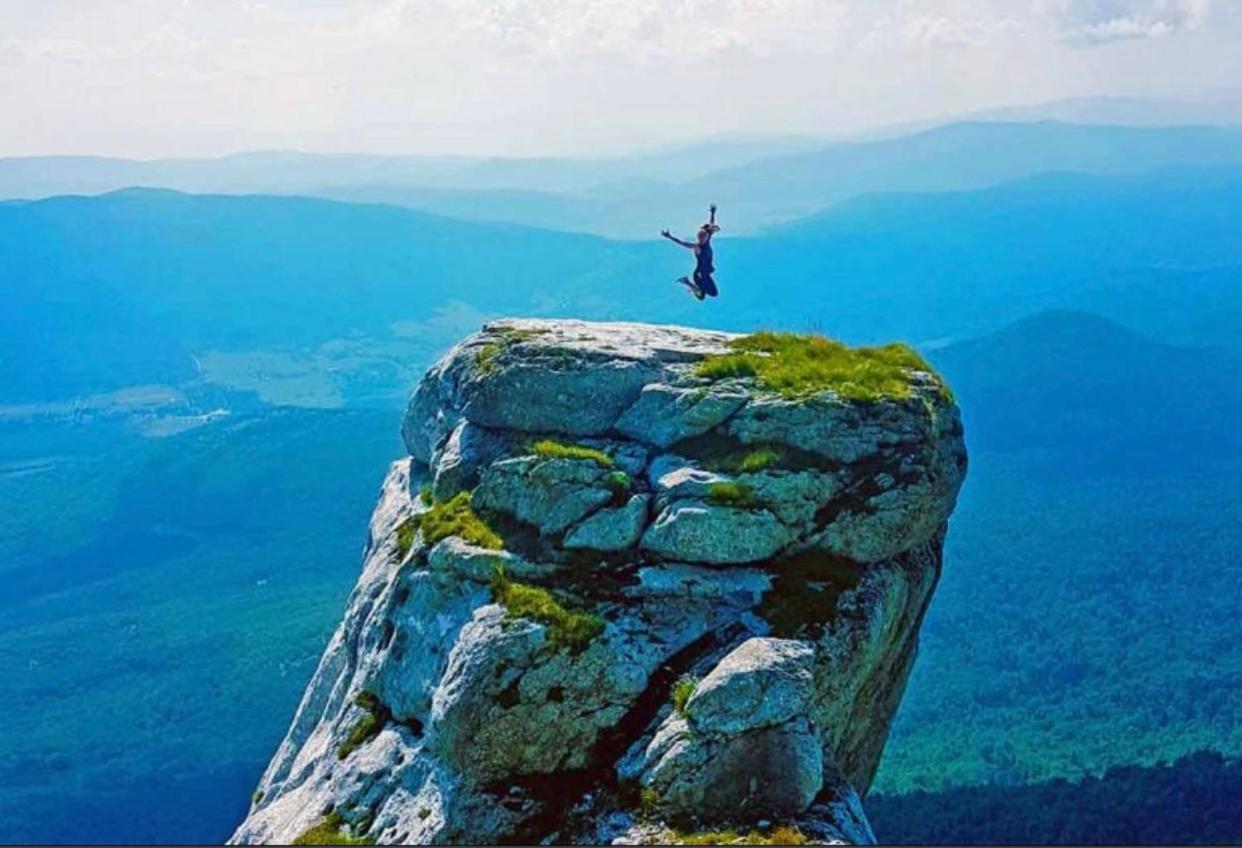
(632, 582)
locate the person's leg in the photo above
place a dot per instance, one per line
(706, 284)
(692, 286)
(696, 287)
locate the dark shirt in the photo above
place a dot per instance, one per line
(704, 258)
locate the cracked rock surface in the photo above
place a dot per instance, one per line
(701, 614)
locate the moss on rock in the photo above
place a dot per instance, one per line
(731, 493)
(367, 727)
(456, 517)
(552, 449)
(780, 835)
(573, 630)
(332, 831)
(796, 365)
(682, 690)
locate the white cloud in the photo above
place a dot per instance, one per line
(158, 77)
(1096, 21)
(914, 25)
(639, 29)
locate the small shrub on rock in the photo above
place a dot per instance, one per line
(783, 835)
(486, 358)
(731, 493)
(367, 727)
(456, 517)
(573, 630)
(332, 831)
(552, 449)
(405, 536)
(682, 690)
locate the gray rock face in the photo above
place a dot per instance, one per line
(550, 494)
(475, 695)
(456, 465)
(611, 529)
(763, 682)
(770, 772)
(746, 747)
(698, 531)
(664, 415)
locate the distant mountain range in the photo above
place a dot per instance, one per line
(758, 182)
(1159, 252)
(1080, 385)
(133, 286)
(1223, 108)
(147, 286)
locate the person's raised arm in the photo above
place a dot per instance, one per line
(712, 210)
(676, 240)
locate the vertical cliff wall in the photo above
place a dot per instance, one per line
(632, 582)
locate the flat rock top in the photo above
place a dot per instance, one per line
(661, 384)
(614, 339)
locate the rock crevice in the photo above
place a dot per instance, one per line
(622, 589)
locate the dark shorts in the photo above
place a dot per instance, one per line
(705, 283)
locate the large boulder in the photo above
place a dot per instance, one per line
(761, 683)
(664, 415)
(699, 531)
(617, 594)
(771, 772)
(743, 746)
(550, 494)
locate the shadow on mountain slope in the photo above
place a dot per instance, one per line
(1193, 801)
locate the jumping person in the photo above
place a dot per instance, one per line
(702, 285)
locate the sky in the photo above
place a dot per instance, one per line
(154, 78)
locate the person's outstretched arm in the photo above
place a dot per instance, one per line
(676, 240)
(712, 227)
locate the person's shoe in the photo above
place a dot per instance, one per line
(691, 287)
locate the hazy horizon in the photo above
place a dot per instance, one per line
(149, 80)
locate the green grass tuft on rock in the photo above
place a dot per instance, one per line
(405, 536)
(513, 335)
(456, 517)
(487, 357)
(759, 459)
(682, 690)
(648, 802)
(747, 460)
(732, 493)
(572, 630)
(780, 835)
(796, 365)
(620, 484)
(367, 727)
(552, 449)
(618, 481)
(332, 831)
